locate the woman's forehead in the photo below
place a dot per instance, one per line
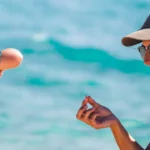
(146, 43)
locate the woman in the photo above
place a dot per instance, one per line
(9, 58)
(100, 116)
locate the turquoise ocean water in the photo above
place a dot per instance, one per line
(71, 49)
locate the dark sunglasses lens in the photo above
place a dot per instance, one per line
(142, 51)
(141, 48)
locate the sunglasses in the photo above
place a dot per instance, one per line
(142, 50)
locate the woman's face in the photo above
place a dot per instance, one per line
(145, 52)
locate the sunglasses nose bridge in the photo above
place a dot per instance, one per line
(147, 48)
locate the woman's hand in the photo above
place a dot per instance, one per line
(98, 116)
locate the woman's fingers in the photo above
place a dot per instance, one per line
(87, 113)
(91, 101)
(80, 112)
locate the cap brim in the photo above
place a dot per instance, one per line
(136, 37)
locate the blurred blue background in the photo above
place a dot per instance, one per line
(71, 48)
